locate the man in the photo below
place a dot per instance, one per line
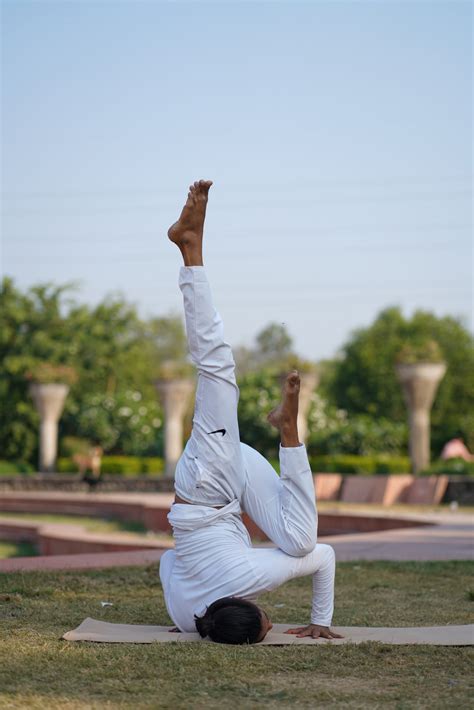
(212, 578)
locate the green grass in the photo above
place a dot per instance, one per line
(98, 525)
(38, 670)
(16, 549)
(108, 525)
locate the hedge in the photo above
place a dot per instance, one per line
(365, 465)
(7, 468)
(131, 466)
(128, 466)
(452, 467)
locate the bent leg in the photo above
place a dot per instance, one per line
(284, 507)
(275, 568)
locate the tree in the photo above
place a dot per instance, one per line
(274, 343)
(112, 350)
(364, 380)
(260, 392)
(273, 347)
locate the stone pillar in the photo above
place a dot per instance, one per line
(309, 382)
(420, 382)
(175, 395)
(49, 402)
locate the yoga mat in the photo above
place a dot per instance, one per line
(102, 631)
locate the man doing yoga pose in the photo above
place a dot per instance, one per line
(213, 577)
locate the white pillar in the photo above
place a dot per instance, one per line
(49, 402)
(309, 382)
(175, 396)
(420, 382)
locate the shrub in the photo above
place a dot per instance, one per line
(127, 422)
(9, 468)
(365, 465)
(127, 466)
(70, 445)
(419, 351)
(334, 432)
(453, 467)
(260, 392)
(47, 373)
(66, 465)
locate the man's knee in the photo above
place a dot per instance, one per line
(302, 544)
(327, 551)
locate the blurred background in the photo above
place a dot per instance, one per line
(338, 239)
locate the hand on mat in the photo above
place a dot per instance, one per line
(315, 631)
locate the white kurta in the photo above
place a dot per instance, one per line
(214, 558)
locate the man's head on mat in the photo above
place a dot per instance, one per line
(233, 620)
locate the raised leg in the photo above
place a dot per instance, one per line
(210, 470)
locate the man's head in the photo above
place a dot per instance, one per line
(233, 620)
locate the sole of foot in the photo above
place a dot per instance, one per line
(287, 411)
(188, 230)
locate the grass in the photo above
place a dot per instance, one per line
(25, 549)
(16, 549)
(38, 670)
(108, 525)
(97, 525)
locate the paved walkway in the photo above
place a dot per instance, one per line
(451, 538)
(454, 541)
(446, 535)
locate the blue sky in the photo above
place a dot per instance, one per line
(338, 135)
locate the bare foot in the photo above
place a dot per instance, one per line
(187, 232)
(284, 417)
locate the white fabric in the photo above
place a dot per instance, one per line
(214, 557)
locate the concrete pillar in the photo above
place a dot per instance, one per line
(49, 402)
(309, 382)
(175, 396)
(420, 382)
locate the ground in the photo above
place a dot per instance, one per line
(39, 670)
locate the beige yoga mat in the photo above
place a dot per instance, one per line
(102, 631)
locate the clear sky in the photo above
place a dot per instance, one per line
(338, 135)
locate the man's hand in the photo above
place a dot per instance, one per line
(315, 631)
(174, 631)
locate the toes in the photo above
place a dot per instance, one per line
(293, 379)
(204, 186)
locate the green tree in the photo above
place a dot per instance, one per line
(273, 348)
(363, 381)
(274, 343)
(112, 350)
(259, 393)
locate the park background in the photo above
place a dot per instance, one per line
(338, 234)
(338, 240)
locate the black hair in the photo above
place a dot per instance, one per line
(230, 620)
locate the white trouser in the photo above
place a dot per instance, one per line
(215, 468)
